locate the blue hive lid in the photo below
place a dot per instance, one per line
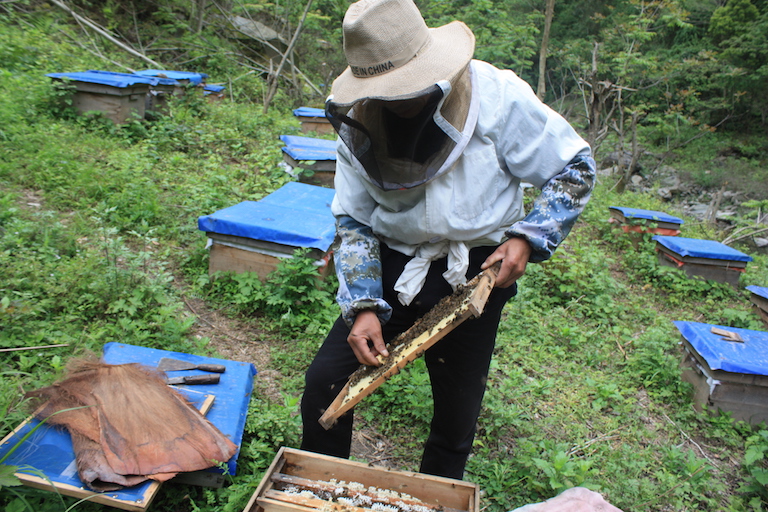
(297, 215)
(155, 80)
(111, 79)
(762, 291)
(308, 148)
(637, 213)
(696, 248)
(309, 112)
(194, 78)
(209, 88)
(748, 357)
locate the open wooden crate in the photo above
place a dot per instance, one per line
(300, 481)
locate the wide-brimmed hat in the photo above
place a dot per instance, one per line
(393, 54)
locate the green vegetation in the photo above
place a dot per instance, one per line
(98, 243)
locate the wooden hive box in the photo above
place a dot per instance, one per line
(335, 484)
(759, 297)
(183, 78)
(313, 120)
(160, 89)
(253, 236)
(635, 220)
(118, 98)
(313, 160)
(704, 259)
(729, 376)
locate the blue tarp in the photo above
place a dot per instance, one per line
(762, 291)
(308, 148)
(298, 215)
(113, 80)
(749, 357)
(696, 248)
(309, 112)
(155, 81)
(194, 78)
(49, 450)
(209, 88)
(637, 213)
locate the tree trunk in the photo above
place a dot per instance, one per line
(276, 77)
(548, 15)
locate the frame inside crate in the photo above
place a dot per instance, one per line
(301, 481)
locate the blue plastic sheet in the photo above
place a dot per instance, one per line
(637, 213)
(194, 78)
(49, 450)
(154, 80)
(762, 291)
(749, 357)
(209, 88)
(120, 81)
(297, 214)
(308, 148)
(696, 248)
(309, 112)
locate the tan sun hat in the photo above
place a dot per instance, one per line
(392, 53)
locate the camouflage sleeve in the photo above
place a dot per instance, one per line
(358, 266)
(555, 211)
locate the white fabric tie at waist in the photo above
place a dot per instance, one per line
(411, 281)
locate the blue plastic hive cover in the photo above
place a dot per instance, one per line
(49, 449)
(637, 213)
(748, 357)
(308, 148)
(154, 80)
(309, 112)
(762, 291)
(297, 214)
(194, 78)
(120, 81)
(696, 248)
(209, 88)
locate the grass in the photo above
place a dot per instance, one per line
(98, 242)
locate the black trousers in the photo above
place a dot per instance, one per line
(458, 369)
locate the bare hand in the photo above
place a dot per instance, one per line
(366, 339)
(513, 254)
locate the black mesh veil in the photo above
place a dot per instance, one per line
(399, 143)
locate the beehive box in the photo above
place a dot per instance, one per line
(300, 481)
(759, 297)
(183, 79)
(704, 259)
(253, 236)
(119, 98)
(313, 160)
(160, 90)
(313, 120)
(727, 375)
(645, 221)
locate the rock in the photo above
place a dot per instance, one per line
(760, 242)
(576, 499)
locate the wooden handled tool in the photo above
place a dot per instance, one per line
(208, 378)
(168, 364)
(468, 300)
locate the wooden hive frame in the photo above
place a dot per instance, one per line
(409, 345)
(300, 481)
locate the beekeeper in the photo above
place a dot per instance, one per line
(433, 149)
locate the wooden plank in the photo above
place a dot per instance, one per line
(727, 335)
(137, 505)
(410, 345)
(231, 259)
